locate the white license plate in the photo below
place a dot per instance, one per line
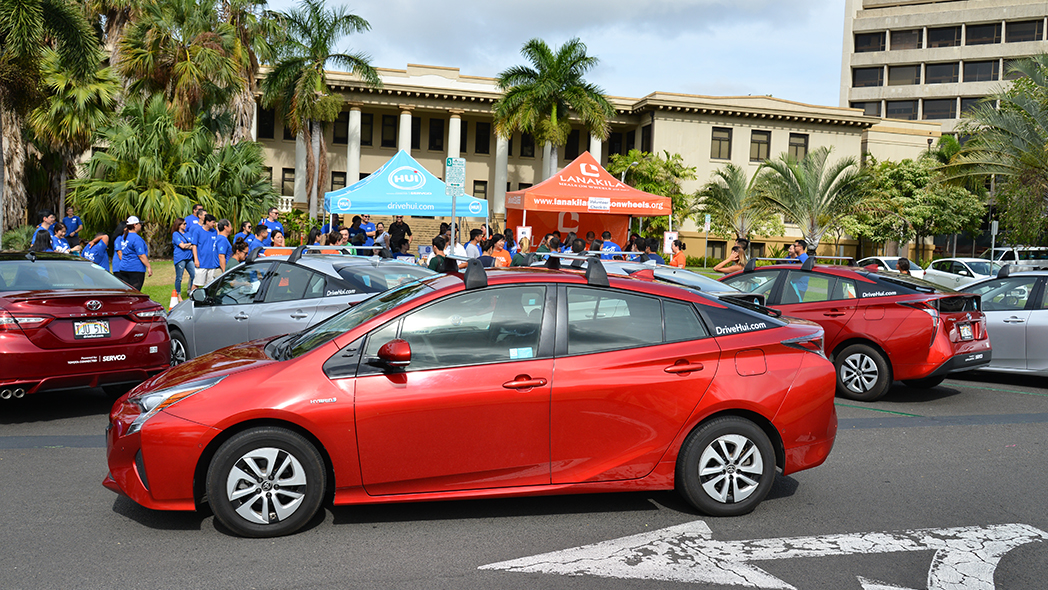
(91, 329)
(966, 332)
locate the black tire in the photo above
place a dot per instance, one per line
(271, 504)
(726, 467)
(926, 383)
(863, 374)
(178, 341)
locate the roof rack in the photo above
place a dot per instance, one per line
(476, 277)
(809, 263)
(751, 264)
(345, 250)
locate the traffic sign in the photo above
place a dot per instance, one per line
(455, 177)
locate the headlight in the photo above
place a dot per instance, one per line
(152, 402)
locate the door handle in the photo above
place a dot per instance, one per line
(833, 314)
(524, 382)
(298, 314)
(1014, 320)
(684, 367)
(240, 316)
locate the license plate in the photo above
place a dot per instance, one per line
(966, 331)
(91, 329)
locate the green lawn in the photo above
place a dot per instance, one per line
(160, 285)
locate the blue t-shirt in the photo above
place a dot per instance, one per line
(326, 228)
(72, 224)
(658, 259)
(50, 230)
(272, 225)
(802, 257)
(118, 243)
(133, 247)
(97, 254)
(181, 254)
(59, 244)
(255, 244)
(368, 227)
(224, 248)
(244, 235)
(206, 241)
(191, 220)
(609, 250)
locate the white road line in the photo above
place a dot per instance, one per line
(965, 558)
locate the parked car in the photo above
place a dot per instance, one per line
(445, 389)
(880, 327)
(1018, 255)
(891, 264)
(954, 273)
(276, 295)
(67, 323)
(1016, 309)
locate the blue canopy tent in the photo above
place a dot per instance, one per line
(401, 187)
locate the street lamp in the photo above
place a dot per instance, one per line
(622, 177)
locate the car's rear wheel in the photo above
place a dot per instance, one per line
(862, 373)
(926, 383)
(179, 349)
(726, 467)
(266, 482)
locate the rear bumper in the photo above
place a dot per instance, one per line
(964, 362)
(97, 379)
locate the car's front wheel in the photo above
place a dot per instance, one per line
(862, 373)
(179, 350)
(266, 482)
(726, 467)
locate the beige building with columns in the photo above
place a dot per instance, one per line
(436, 112)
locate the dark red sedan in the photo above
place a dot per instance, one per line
(67, 323)
(482, 385)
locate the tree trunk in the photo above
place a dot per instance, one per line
(242, 109)
(554, 156)
(62, 177)
(314, 176)
(14, 195)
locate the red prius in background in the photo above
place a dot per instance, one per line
(481, 385)
(67, 323)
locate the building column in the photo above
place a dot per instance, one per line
(547, 149)
(455, 133)
(404, 133)
(300, 169)
(596, 146)
(497, 204)
(353, 146)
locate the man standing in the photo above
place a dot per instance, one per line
(271, 222)
(799, 251)
(398, 230)
(368, 227)
(194, 218)
(47, 221)
(651, 246)
(223, 248)
(609, 248)
(73, 225)
(473, 246)
(259, 239)
(205, 252)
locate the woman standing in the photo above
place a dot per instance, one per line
(183, 257)
(277, 237)
(502, 256)
(245, 232)
(313, 238)
(679, 260)
(133, 253)
(523, 248)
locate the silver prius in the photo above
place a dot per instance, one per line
(275, 295)
(1016, 308)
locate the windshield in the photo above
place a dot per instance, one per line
(45, 275)
(689, 279)
(341, 323)
(375, 279)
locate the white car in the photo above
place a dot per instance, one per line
(1016, 308)
(954, 273)
(1020, 255)
(891, 264)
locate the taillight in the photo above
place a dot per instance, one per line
(16, 322)
(814, 343)
(149, 315)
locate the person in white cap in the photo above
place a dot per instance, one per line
(133, 254)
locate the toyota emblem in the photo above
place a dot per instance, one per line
(94, 305)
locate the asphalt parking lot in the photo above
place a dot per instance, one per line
(941, 488)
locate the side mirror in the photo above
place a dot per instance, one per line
(395, 353)
(198, 296)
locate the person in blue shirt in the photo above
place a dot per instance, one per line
(609, 248)
(651, 247)
(245, 231)
(133, 255)
(205, 257)
(369, 229)
(313, 239)
(73, 225)
(271, 222)
(329, 227)
(258, 240)
(357, 235)
(194, 217)
(183, 253)
(59, 243)
(97, 250)
(47, 222)
(799, 251)
(41, 242)
(223, 248)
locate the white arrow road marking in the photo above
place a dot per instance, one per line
(965, 558)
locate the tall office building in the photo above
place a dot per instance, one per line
(934, 59)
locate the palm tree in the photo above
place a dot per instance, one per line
(297, 84)
(26, 28)
(73, 110)
(733, 201)
(256, 32)
(812, 193)
(539, 99)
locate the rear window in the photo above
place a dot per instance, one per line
(375, 279)
(42, 275)
(734, 319)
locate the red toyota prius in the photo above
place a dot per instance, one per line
(67, 323)
(484, 384)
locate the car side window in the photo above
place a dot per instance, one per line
(762, 282)
(239, 286)
(1044, 297)
(289, 282)
(316, 287)
(807, 287)
(1011, 294)
(941, 266)
(474, 328)
(682, 323)
(608, 320)
(844, 289)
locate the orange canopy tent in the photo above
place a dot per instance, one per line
(582, 197)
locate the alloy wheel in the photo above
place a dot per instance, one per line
(730, 468)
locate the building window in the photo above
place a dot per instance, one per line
(907, 39)
(436, 135)
(867, 42)
(340, 130)
(338, 180)
(760, 145)
(721, 146)
(480, 189)
(287, 182)
(464, 137)
(645, 138)
(1009, 72)
(870, 109)
(970, 104)
(389, 131)
(288, 135)
(363, 175)
(416, 133)
(941, 73)
(267, 123)
(367, 128)
(798, 145)
(981, 71)
(902, 109)
(904, 75)
(482, 143)
(1031, 30)
(527, 146)
(631, 139)
(523, 185)
(940, 108)
(944, 37)
(982, 34)
(865, 77)
(615, 144)
(571, 149)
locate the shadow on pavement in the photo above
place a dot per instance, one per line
(901, 393)
(55, 405)
(1017, 380)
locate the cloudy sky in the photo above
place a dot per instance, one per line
(786, 48)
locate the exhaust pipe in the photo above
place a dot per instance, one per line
(18, 393)
(5, 394)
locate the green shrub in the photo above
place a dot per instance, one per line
(19, 238)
